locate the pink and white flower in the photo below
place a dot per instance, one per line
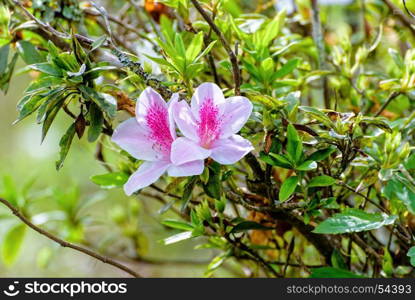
(149, 137)
(209, 127)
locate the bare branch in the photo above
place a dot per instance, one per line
(66, 244)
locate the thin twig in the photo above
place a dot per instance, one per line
(407, 21)
(392, 96)
(63, 243)
(234, 60)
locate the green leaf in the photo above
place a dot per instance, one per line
(47, 68)
(353, 220)
(205, 51)
(96, 120)
(321, 181)
(216, 263)
(272, 29)
(318, 115)
(195, 47)
(387, 262)
(321, 154)
(51, 113)
(330, 272)
(287, 188)
(27, 105)
(397, 58)
(29, 53)
(287, 68)
(213, 188)
(109, 107)
(98, 43)
(249, 225)
(12, 244)
(187, 192)
(178, 225)
(110, 180)
(4, 56)
(178, 237)
(278, 160)
(411, 254)
(307, 166)
(65, 144)
(294, 144)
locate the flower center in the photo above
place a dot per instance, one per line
(209, 124)
(157, 121)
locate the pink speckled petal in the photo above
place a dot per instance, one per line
(184, 150)
(146, 174)
(236, 113)
(188, 169)
(229, 151)
(133, 138)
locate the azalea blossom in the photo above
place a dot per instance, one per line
(149, 137)
(209, 127)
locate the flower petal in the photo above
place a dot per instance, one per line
(148, 98)
(153, 115)
(188, 169)
(172, 102)
(185, 120)
(205, 92)
(184, 150)
(229, 151)
(146, 174)
(236, 113)
(132, 138)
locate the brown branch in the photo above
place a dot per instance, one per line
(66, 244)
(234, 60)
(407, 21)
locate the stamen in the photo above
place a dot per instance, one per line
(210, 123)
(157, 121)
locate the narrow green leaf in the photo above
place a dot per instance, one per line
(4, 56)
(187, 192)
(195, 47)
(294, 144)
(178, 225)
(288, 188)
(287, 68)
(96, 120)
(65, 144)
(205, 51)
(178, 237)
